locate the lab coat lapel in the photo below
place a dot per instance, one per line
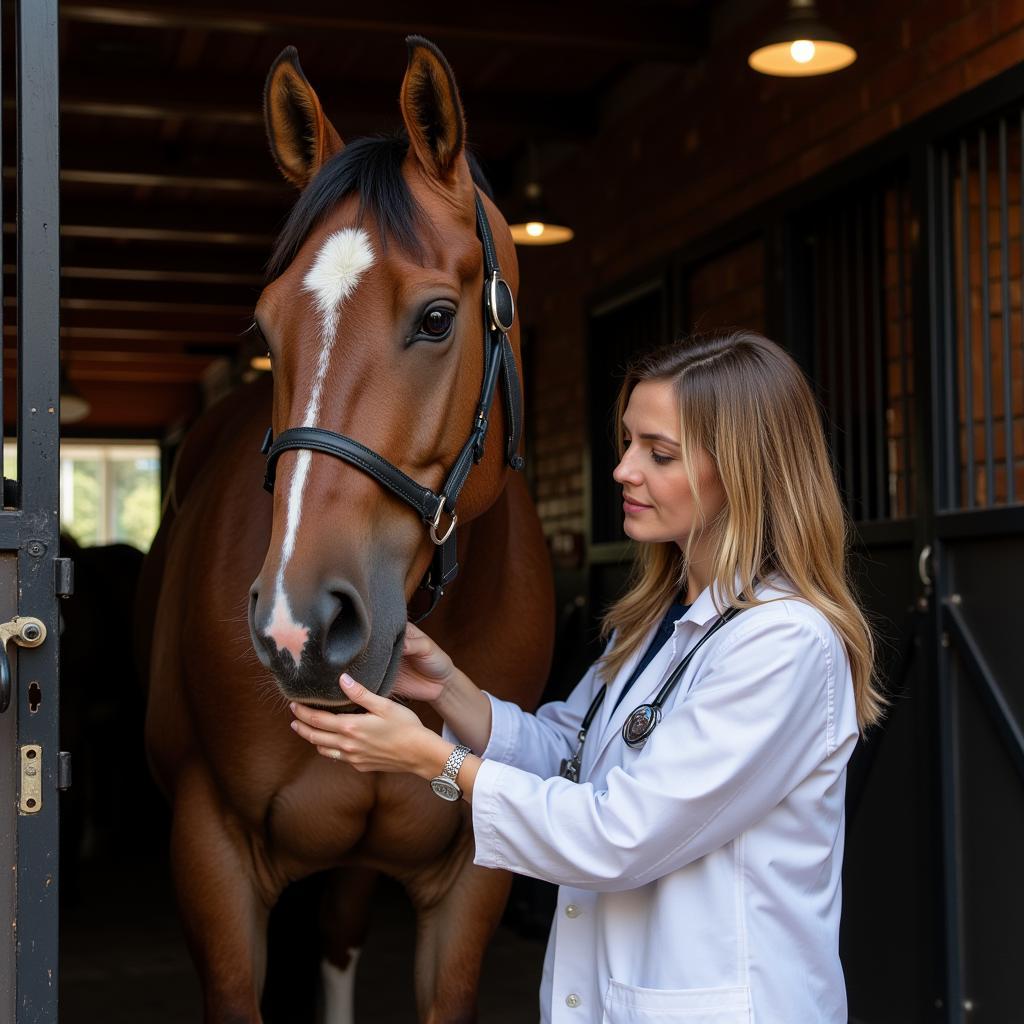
(689, 629)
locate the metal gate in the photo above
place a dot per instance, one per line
(906, 303)
(31, 572)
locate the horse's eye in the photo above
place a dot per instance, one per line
(437, 323)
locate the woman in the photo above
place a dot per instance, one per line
(699, 853)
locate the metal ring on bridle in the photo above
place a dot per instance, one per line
(437, 522)
(506, 293)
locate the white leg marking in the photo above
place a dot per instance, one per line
(341, 262)
(338, 991)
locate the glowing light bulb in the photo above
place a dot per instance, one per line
(535, 229)
(802, 51)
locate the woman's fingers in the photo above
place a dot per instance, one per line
(325, 721)
(359, 694)
(317, 737)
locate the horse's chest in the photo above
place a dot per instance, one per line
(391, 822)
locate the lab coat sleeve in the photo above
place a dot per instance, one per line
(750, 729)
(537, 743)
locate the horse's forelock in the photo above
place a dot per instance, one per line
(372, 169)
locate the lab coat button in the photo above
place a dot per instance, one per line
(572, 1000)
(572, 910)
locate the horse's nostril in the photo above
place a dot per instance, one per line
(345, 629)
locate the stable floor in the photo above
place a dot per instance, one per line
(123, 957)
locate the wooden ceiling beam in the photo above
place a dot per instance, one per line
(124, 315)
(664, 32)
(356, 107)
(137, 338)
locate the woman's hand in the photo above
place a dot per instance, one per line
(425, 670)
(389, 738)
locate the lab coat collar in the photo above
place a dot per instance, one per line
(702, 613)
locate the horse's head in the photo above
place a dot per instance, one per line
(375, 324)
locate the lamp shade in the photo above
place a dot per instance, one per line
(537, 226)
(801, 46)
(73, 406)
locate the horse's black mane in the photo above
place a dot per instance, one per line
(371, 168)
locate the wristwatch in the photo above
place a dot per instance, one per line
(444, 785)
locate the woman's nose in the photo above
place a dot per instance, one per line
(625, 471)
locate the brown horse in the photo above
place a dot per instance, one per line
(373, 320)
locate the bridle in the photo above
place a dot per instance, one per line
(499, 359)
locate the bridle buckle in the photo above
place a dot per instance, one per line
(437, 522)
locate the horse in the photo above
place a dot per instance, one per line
(373, 319)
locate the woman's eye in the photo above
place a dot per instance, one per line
(437, 323)
(660, 459)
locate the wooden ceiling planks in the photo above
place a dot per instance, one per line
(170, 200)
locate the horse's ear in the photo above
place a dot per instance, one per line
(301, 137)
(431, 109)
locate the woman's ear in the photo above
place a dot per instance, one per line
(301, 137)
(432, 110)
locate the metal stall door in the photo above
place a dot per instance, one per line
(31, 574)
(907, 303)
(854, 266)
(974, 225)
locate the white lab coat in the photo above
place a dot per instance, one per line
(700, 876)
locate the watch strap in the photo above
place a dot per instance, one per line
(454, 762)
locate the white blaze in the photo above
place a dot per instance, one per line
(341, 262)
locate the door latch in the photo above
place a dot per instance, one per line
(25, 631)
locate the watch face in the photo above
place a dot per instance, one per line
(445, 788)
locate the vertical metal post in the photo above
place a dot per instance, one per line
(935, 405)
(828, 239)
(844, 316)
(863, 488)
(1004, 280)
(908, 503)
(965, 305)
(986, 317)
(38, 470)
(948, 470)
(878, 347)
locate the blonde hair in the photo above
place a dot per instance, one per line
(745, 402)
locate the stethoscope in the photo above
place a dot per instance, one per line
(637, 728)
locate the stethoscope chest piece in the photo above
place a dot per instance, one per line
(640, 724)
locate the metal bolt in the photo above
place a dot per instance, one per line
(36, 548)
(31, 631)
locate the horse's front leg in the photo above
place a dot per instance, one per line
(458, 906)
(220, 900)
(344, 922)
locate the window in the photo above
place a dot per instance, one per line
(109, 491)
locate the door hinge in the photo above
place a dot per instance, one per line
(63, 577)
(64, 770)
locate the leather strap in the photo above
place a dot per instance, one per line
(317, 439)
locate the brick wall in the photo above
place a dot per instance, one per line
(712, 143)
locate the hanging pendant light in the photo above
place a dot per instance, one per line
(802, 46)
(73, 406)
(537, 225)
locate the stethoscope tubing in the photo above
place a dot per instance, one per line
(644, 718)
